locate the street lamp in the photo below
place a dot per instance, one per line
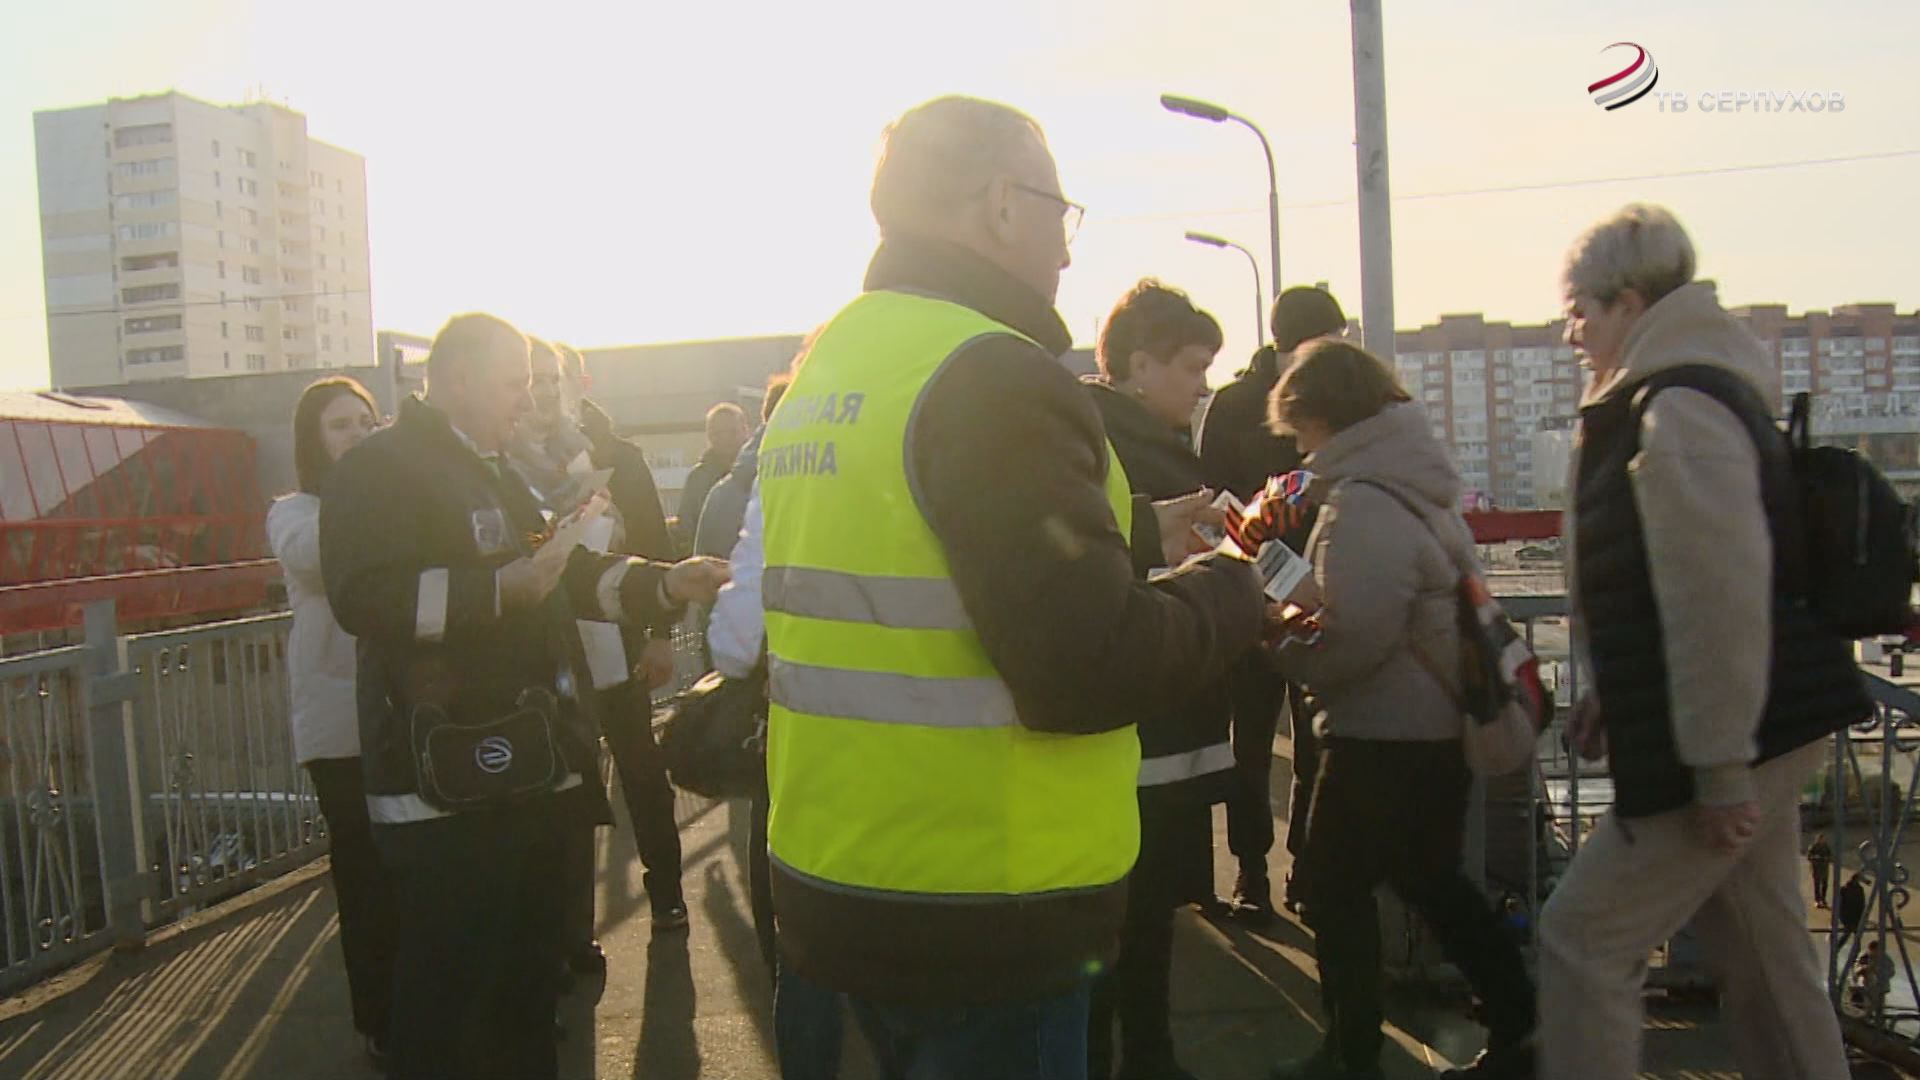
(1214, 114)
(1259, 295)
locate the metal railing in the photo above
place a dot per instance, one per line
(1524, 830)
(225, 802)
(144, 777)
(52, 896)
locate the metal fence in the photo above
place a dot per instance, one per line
(224, 802)
(51, 892)
(144, 777)
(1525, 829)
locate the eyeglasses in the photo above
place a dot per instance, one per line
(1071, 213)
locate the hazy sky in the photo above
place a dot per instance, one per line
(633, 172)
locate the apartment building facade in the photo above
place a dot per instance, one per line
(1504, 398)
(185, 239)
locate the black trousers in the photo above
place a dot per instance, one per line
(628, 728)
(1395, 813)
(361, 891)
(1138, 991)
(1259, 696)
(478, 900)
(760, 879)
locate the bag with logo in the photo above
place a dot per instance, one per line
(467, 766)
(714, 735)
(1496, 684)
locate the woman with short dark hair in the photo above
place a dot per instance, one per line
(1154, 352)
(332, 416)
(1389, 805)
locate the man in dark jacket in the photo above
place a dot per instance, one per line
(726, 434)
(1238, 453)
(1005, 469)
(426, 547)
(546, 445)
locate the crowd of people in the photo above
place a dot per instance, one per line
(1008, 677)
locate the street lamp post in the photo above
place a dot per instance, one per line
(1214, 114)
(1259, 295)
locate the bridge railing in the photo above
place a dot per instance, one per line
(1526, 828)
(144, 777)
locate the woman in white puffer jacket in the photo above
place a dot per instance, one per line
(333, 415)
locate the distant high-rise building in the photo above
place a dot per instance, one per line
(1487, 388)
(180, 238)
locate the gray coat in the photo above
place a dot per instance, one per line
(1387, 582)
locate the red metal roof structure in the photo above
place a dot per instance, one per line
(101, 497)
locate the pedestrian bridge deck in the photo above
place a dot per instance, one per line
(256, 989)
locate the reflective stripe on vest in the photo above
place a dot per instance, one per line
(1173, 768)
(909, 603)
(890, 697)
(896, 762)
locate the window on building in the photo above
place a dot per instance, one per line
(165, 260)
(144, 200)
(164, 354)
(147, 230)
(153, 324)
(147, 294)
(143, 135)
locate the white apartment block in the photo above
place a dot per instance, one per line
(185, 239)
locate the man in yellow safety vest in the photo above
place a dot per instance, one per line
(959, 644)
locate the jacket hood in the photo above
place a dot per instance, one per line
(1396, 448)
(1687, 327)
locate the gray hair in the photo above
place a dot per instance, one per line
(943, 153)
(1642, 247)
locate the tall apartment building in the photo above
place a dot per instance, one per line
(181, 238)
(1487, 388)
(1504, 397)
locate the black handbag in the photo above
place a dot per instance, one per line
(714, 736)
(468, 766)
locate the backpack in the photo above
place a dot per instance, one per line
(1861, 561)
(1857, 561)
(1497, 686)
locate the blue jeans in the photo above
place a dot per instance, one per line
(806, 1028)
(1029, 1040)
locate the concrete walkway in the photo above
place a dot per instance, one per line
(257, 990)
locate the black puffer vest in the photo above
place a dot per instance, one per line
(1814, 687)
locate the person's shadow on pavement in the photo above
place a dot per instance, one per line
(668, 1048)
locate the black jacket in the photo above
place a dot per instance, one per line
(710, 470)
(1161, 465)
(1237, 451)
(1814, 685)
(1008, 459)
(414, 511)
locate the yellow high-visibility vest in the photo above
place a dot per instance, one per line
(896, 762)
